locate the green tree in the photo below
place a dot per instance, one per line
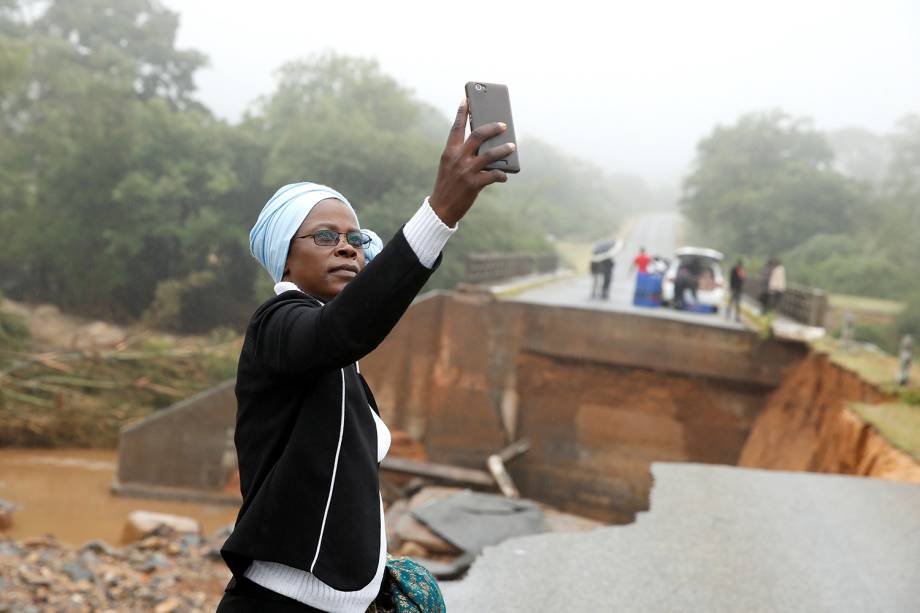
(126, 180)
(341, 121)
(766, 184)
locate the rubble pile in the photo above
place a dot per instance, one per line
(165, 572)
(446, 528)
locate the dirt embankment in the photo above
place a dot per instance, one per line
(807, 426)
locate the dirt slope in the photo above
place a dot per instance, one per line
(806, 426)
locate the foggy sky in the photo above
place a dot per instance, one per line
(630, 85)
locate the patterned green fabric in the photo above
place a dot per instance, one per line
(411, 587)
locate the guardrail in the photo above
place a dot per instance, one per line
(807, 305)
(484, 268)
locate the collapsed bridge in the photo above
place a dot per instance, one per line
(599, 394)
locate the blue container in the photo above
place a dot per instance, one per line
(648, 290)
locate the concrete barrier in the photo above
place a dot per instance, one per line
(185, 451)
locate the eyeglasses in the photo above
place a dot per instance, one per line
(330, 238)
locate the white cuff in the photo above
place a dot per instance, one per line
(427, 234)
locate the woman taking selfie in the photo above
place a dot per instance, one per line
(310, 534)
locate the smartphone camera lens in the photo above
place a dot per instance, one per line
(479, 87)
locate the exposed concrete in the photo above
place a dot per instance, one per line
(602, 394)
(720, 539)
(663, 345)
(596, 428)
(188, 445)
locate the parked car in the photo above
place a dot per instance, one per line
(705, 267)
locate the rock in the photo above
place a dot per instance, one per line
(41, 542)
(77, 571)
(190, 540)
(212, 553)
(170, 605)
(29, 576)
(152, 563)
(407, 528)
(98, 546)
(153, 542)
(142, 523)
(138, 577)
(410, 530)
(9, 548)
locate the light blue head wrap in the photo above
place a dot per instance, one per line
(281, 217)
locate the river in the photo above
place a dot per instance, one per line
(65, 492)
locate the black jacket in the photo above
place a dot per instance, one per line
(305, 438)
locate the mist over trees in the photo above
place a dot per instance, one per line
(842, 209)
(123, 197)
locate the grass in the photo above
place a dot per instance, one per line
(876, 367)
(515, 289)
(863, 304)
(898, 422)
(576, 254)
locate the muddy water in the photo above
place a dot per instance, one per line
(65, 492)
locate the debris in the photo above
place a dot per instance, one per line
(410, 529)
(496, 465)
(141, 576)
(141, 524)
(502, 478)
(515, 449)
(439, 472)
(474, 520)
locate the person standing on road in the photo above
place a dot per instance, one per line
(607, 275)
(596, 279)
(310, 533)
(776, 286)
(641, 261)
(736, 285)
(683, 283)
(602, 264)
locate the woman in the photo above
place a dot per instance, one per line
(309, 535)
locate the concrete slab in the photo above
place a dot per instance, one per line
(720, 538)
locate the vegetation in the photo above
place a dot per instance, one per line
(899, 423)
(131, 201)
(876, 367)
(82, 398)
(841, 210)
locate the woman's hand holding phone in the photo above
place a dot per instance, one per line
(462, 173)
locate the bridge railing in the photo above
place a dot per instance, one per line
(484, 268)
(807, 305)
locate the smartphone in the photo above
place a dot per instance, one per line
(489, 102)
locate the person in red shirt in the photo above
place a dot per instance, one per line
(642, 260)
